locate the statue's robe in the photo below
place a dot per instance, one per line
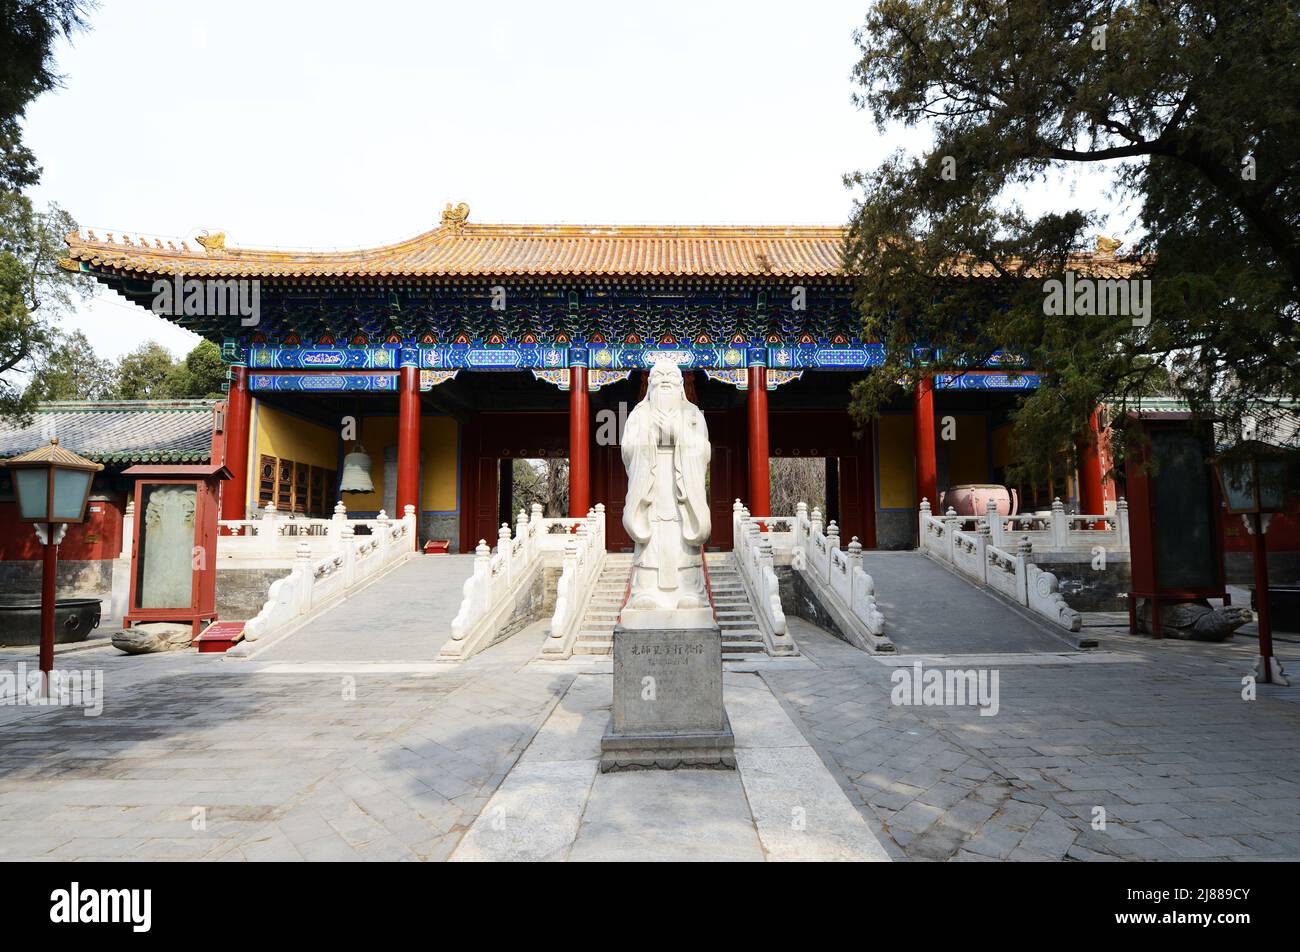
(667, 508)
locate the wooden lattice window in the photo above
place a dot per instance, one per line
(284, 485)
(301, 499)
(266, 467)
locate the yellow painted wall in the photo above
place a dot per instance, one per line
(967, 455)
(273, 432)
(896, 453)
(286, 436)
(437, 445)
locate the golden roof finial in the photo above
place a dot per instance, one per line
(455, 218)
(214, 244)
(1107, 246)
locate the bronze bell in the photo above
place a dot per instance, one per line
(356, 472)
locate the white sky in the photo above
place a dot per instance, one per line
(338, 124)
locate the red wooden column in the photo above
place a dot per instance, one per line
(408, 444)
(579, 436)
(234, 493)
(927, 466)
(1092, 493)
(760, 493)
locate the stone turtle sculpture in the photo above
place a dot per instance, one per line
(153, 636)
(1195, 620)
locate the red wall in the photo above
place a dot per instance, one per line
(99, 537)
(1283, 533)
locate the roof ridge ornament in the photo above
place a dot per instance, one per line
(1106, 247)
(455, 218)
(214, 244)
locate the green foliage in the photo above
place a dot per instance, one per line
(146, 373)
(34, 291)
(71, 370)
(201, 374)
(28, 32)
(1183, 102)
(150, 372)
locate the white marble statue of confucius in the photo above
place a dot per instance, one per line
(666, 452)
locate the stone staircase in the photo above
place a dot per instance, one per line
(596, 630)
(740, 632)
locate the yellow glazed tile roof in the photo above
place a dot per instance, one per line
(472, 250)
(459, 248)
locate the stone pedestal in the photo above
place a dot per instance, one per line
(668, 708)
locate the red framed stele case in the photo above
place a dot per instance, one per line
(174, 544)
(1175, 520)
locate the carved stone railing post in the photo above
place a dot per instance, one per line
(982, 534)
(384, 536)
(1060, 524)
(504, 551)
(1024, 551)
(302, 569)
(815, 521)
(994, 522)
(348, 543)
(1121, 520)
(921, 523)
(950, 523)
(412, 527)
(337, 521)
(521, 534)
(854, 554)
(128, 529)
(832, 546)
(268, 527)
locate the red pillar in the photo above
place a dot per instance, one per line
(1261, 600)
(234, 492)
(1092, 493)
(579, 444)
(49, 592)
(760, 493)
(927, 466)
(408, 444)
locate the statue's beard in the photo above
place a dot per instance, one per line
(665, 400)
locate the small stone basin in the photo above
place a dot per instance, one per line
(20, 619)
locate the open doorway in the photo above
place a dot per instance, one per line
(524, 481)
(810, 479)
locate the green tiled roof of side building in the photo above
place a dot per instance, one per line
(118, 431)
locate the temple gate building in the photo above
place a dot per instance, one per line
(472, 345)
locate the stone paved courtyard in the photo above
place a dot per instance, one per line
(397, 758)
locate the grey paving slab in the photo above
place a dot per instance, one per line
(667, 816)
(1159, 738)
(353, 744)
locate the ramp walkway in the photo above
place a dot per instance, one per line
(405, 615)
(931, 610)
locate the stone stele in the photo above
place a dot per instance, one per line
(668, 709)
